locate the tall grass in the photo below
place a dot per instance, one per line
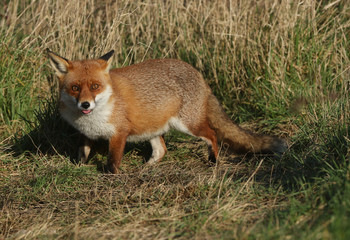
(267, 50)
(280, 67)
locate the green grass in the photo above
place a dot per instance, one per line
(280, 69)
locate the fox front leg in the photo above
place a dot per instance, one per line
(116, 149)
(84, 149)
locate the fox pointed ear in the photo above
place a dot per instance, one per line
(59, 64)
(108, 59)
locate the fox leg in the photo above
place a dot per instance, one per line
(205, 132)
(158, 149)
(116, 149)
(84, 149)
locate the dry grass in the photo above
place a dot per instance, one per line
(262, 59)
(275, 45)
(176, 199)
(234, 43)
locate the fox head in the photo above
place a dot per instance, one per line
(84, 85)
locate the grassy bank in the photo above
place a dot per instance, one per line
(278, 67)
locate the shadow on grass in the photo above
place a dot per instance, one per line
(50, 135)
(319, 154)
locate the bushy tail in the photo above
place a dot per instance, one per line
(238, 139)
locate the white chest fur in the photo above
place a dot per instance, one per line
(94, 125)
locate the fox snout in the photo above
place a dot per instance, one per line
(86, 107)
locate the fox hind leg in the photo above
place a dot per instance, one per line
(158, 149)
(205, 132)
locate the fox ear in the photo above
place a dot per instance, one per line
(59, 64)
(108, 59)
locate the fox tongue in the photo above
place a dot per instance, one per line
(86, 111)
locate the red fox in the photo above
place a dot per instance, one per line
(143, 101)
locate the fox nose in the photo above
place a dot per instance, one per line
(85, 105)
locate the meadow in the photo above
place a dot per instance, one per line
(278, 67)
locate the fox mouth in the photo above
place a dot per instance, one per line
(86, 112)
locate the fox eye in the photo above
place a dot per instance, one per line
(94, 86)
(75, 88)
